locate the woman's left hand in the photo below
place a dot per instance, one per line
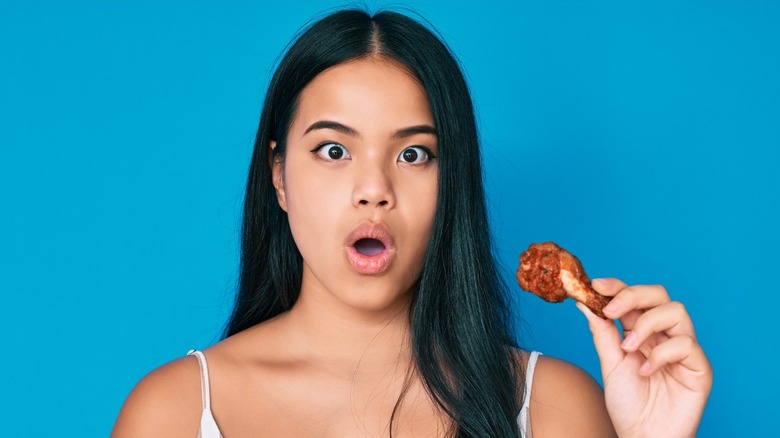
(657, 379)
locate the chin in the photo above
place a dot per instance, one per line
(375, 299)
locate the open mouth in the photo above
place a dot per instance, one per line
(369, 247)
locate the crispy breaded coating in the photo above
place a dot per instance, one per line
(553, 274)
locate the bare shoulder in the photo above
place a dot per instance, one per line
(567, 401)
(166, 402)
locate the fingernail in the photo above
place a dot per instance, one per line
(629, 341)
(599, 281)
(645, 368)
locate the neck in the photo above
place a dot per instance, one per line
(351, 340)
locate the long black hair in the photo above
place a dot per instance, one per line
(462, 343)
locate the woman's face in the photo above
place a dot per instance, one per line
(359, 182)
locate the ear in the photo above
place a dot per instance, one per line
(278, 176)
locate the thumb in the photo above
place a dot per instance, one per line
(606, 339)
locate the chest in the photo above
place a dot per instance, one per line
(315, 406)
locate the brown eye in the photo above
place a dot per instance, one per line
(415, 155)
(335, 152)
(332, 151)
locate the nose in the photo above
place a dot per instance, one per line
(373, 188)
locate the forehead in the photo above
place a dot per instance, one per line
(369, 94)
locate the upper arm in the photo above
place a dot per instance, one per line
(566, 401)
(167, 402)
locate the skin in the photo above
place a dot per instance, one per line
(657, 379)
(334, 365)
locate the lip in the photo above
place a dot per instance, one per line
(375, 264)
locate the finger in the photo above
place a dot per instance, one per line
(627, 323)
(636, 298)
(608, 286)
(670, 319)
(628, 320)
(606, 339)
(682, 350)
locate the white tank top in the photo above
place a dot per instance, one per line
(209, 429)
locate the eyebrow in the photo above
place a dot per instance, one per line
(344, 129)
(414, 130)
(336, 126)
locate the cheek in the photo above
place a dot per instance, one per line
(428, 198)
(307, 193)
(423, 196)
(304, 187)
(313, 206)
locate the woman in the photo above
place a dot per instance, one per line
(369, 301)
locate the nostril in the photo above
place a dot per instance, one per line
(382, 203)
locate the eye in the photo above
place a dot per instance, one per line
(416, 155)
(331, 151)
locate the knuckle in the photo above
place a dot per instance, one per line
(686, 342)
(660, 290)
(628, 293)
(678, 307)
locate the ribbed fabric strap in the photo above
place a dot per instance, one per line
(529, 378)
(205, 393)
(524, 417)
(208, 426)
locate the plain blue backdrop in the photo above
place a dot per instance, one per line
(643, 136)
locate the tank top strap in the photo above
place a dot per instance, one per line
(529, 378)
(208, 426)
(205, 392)
(524, 417)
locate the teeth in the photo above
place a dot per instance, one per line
(369, 247)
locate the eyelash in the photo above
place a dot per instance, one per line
(321, 148)
(429, 155)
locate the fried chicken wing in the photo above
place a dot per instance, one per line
(553, 274)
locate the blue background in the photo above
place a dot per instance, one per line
(643, 136)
